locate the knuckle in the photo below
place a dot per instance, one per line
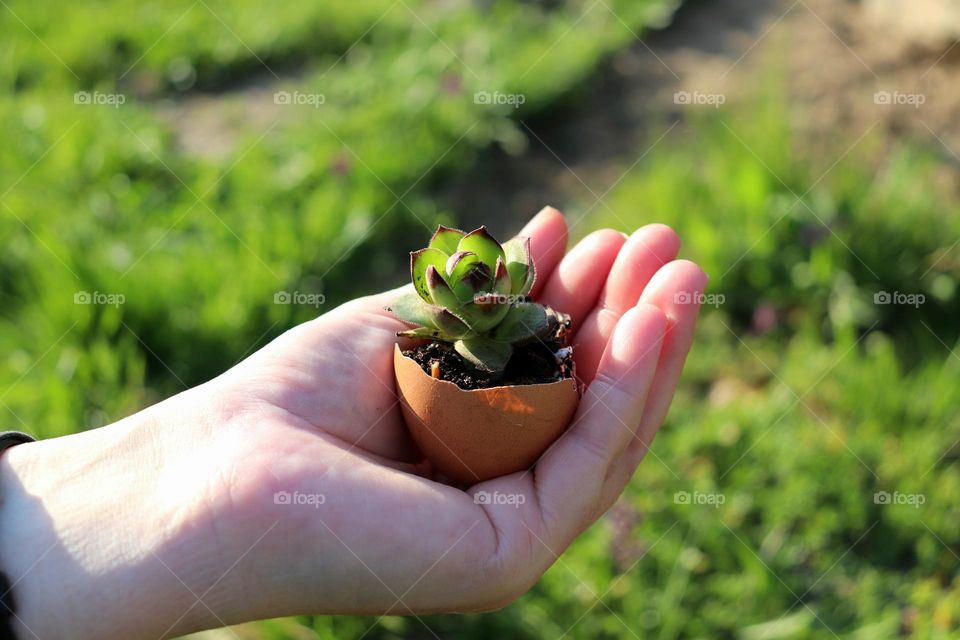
(607, 315)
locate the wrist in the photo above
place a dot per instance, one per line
(95, 541)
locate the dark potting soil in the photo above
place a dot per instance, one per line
(530, 364)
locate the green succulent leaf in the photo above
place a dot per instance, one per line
(482, 243)
(440, 292)
(447, 328)
(411, 308)
(459, 263)
(501, 281)
(520, 265)
(484, 353)
(420, 261)
(425, 332)
(477, 280)
(484, 313)
(525, 322)
(446, 239)
(450, 324)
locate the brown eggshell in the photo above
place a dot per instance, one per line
(472, 436)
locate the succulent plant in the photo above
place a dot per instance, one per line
(471, 291)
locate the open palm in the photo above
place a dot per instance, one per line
(315, 413)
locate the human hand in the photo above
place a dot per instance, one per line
(314, 415)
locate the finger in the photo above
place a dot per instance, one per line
(675, 291)
(548, 242)
(570, 476)
(576, 283)
(374, 303)
(648, 249)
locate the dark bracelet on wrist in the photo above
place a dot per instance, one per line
(7, 604)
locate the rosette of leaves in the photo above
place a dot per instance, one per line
(471, 291)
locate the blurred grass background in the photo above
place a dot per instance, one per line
(200, 197)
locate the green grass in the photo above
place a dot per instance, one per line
(796, 426)
(178, 45)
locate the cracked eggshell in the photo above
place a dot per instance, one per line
(472, 436)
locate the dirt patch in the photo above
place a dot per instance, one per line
(850, 66)
(854, 65)
(211, 125)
